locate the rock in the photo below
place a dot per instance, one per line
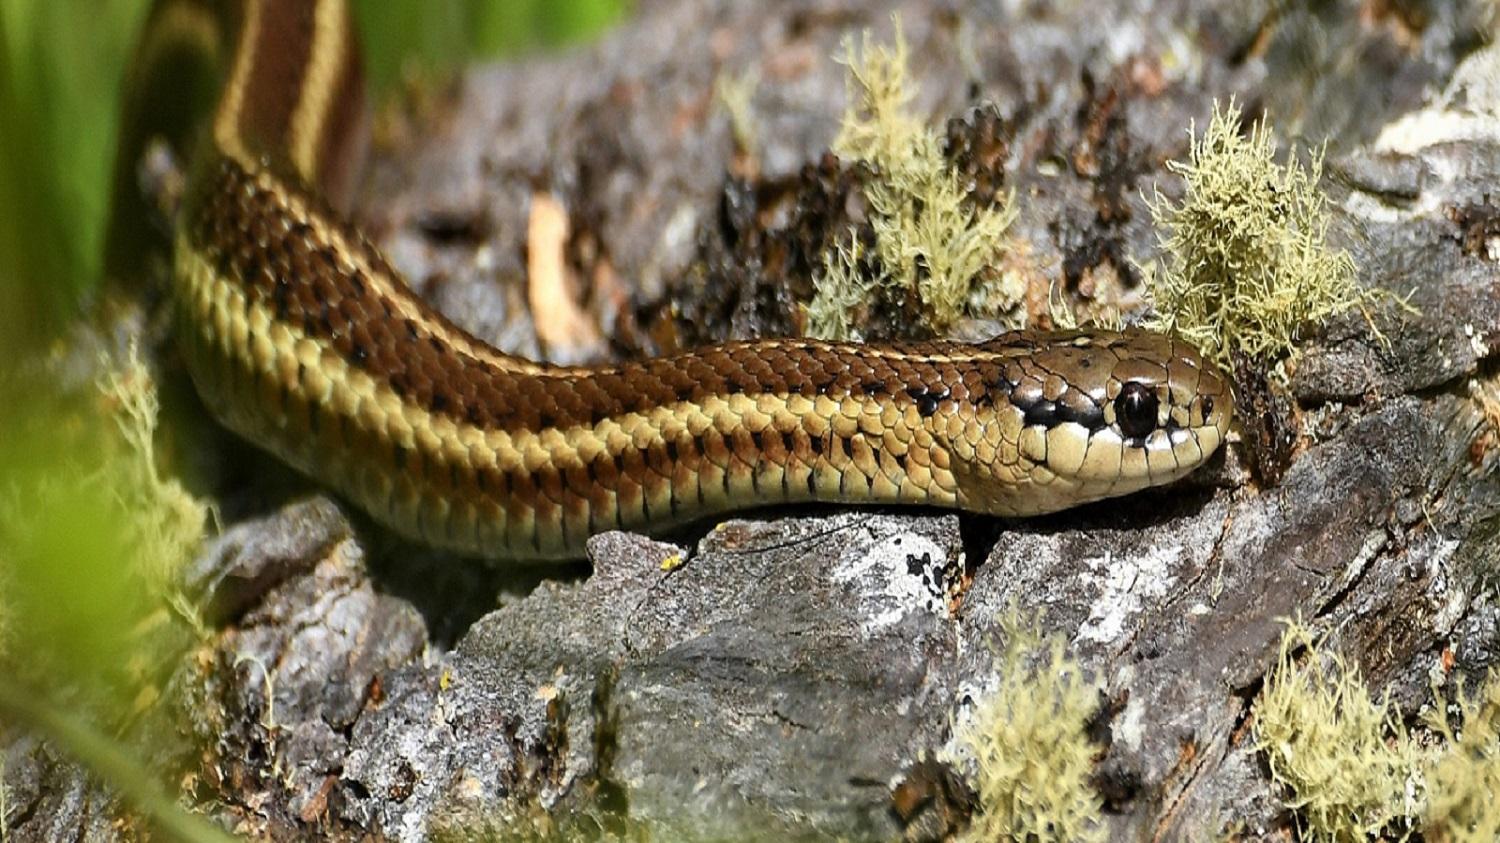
(794, 674)
(292, 678)
(257, 555)
(52, 798)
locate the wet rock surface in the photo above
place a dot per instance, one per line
(784, 674)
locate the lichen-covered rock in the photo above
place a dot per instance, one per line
(799, 675)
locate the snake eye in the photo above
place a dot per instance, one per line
(1135, 410)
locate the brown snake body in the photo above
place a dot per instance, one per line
(300, 337)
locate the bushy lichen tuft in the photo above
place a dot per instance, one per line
(1247, 263)
(929, 236)
(1463, 783)
(1028, 739)
(1063, 318)
(842, 292)
(735, 95)
(1347, 763)
(92, 535)
(167, 523)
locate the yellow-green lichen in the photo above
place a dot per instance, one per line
(929, 238)
(1107, 317)
(92, 536)
(1463, 782)
(1247, 266)
(735, 95)
(167, 523)
(1029, 743)
(1347, 764)
(842, 291)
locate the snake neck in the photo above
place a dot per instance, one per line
(293, 95)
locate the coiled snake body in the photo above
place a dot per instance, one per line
(301, 338)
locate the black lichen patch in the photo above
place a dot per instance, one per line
(977, 145)
(1102, 154)
(757, 261)
(1265, 413)
(932, 801)
(1479, 228)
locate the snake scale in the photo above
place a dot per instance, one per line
(300, 337)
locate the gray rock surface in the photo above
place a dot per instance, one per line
(777, 676)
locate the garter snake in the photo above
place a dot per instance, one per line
(300, 337)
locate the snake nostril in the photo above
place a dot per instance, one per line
(1135, 410)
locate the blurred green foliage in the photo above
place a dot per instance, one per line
(61, 64)
(60, 68)
(404, 34)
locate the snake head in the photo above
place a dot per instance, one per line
(1092, 415)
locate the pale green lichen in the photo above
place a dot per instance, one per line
(167, 523)
(929, 236)
(735, 94)
(843, 291)
(91, 539)
(1028, 742)
(92, 534)
(1463, 783)
(1064, 318)
(1247, 267)
(1347, 764)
